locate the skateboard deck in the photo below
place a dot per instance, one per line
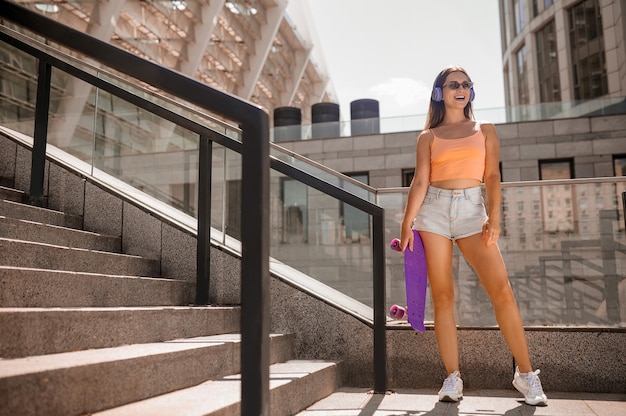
(415, 279)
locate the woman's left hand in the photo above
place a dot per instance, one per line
(491, 233)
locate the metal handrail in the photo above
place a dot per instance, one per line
(256, 162)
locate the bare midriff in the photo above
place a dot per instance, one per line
(456, 183)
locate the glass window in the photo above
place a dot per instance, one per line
(547, 64)
(520, 19)
(407, 176)
(522, 77)
(295, 209)
(356, 222)
(619, 165)
(587, 50)
(556, 169)
(507, 85)
(547, 3)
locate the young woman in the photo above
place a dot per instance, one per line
(454, 154)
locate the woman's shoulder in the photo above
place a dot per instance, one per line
(426, 136)
(486, 127)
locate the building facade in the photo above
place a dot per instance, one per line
(562, 50)
(249, 48)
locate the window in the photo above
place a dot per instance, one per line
(356, 222)
(547, 64)
(556, 169)
(518, 11)
(535, 5)
(507, 85)
(619, 165)
(295, 211)
(587, 50)
(522, 77)
(407, 177)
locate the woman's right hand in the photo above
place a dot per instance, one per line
(406, 239)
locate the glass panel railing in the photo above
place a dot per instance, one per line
(512, 114)
(320, 243)
(564, 246)
(18, 89)
(178, 106)
(321, 237)
(27, 70)
(324, 173)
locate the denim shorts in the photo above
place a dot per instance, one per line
(452, 213)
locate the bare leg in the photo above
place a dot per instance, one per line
(489, 265)
(439, 259)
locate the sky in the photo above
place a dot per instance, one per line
(392, 50)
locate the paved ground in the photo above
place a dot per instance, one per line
(359, 402)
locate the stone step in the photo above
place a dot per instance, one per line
(294, 385)
(19, 253)
(12, 194)
(40, 331)
(17, 229)
(25, 287)
(18, 210)
(83, 382)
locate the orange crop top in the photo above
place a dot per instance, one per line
(457, 158)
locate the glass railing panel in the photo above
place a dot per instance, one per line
(502, 115)
(145, 151)
(226, 193)
(405, 123)
(18, 89)
(72, 116)
(564, 246)
(178, 106)
(134, 86)
(321, 172)
(321, 237)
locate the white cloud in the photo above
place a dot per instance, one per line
(397, 95)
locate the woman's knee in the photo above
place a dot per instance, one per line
(443, 299)
(502, 294)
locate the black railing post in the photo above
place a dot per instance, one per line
(203, 260)
(380, 333)
(255, 278)
(40, 134)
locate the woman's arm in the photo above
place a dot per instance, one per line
(418, 188)
(491, 229)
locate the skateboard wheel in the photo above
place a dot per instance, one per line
(396, 312)
(395, 244)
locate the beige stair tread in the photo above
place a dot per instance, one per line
(52, 362)
(215, 394)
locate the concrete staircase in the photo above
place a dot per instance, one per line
(86, 329)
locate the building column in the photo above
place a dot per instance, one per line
(262, 49)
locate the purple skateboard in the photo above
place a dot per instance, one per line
(415, 278)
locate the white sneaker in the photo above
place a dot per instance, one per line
(452, 390)
(530, 386)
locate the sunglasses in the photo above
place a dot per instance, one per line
(455, 85)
